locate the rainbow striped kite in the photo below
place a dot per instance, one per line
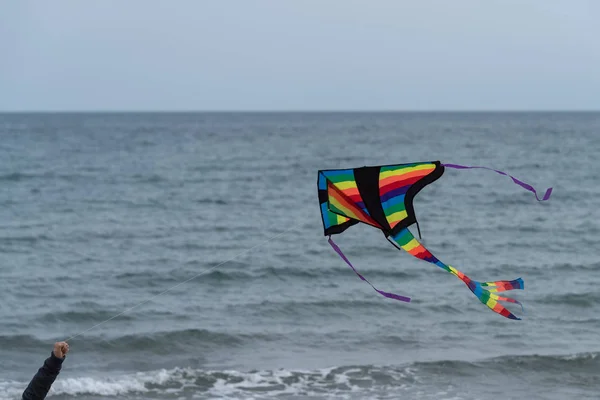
(382, 196)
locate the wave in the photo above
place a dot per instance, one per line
(88, 316)
(146, 178)
(17, 176)
(415, 379)
(23, 176)
(25, 239)
(208, 200)
(583, 300)
(179, 341)
(150, 278)
(159, 342)
(580, 362)
(322, 308)
(532, 272)
(371, 305)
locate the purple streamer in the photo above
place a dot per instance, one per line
(515, 180)
(386, 294)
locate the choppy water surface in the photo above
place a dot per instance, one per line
(100, 212)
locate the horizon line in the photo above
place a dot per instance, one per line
(297, 111)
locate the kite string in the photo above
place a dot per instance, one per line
(183, 282)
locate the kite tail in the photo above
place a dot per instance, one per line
(519, 182)
(406, 241)
(381, 292)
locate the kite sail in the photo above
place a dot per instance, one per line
(382, 196)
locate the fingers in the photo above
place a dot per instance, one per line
(61, 349)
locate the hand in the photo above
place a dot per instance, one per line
(61, 349)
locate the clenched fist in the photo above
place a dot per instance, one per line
(61, 349)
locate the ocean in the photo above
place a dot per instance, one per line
(184, 255)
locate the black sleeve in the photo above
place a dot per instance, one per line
(42, 381)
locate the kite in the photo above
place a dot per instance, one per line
(382, 197)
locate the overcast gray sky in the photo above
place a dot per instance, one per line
(299, 54)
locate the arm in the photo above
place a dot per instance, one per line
(42, 381)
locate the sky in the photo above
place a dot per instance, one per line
(329, 55)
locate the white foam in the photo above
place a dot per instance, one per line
(106, 386)
(11, 390)
(189, 383)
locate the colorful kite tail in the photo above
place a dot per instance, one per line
(489, 296)
(484, 291)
